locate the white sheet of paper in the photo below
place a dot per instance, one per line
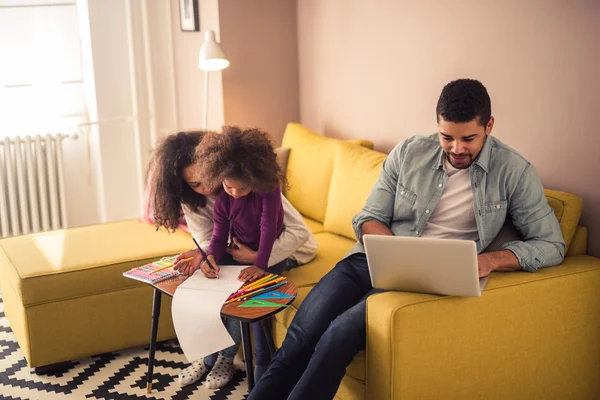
(227, 281)
(196, 311)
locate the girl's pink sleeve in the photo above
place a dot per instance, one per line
(218, 241)
(271, 207)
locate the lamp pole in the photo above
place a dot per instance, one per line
(206, 100)
(211, 58)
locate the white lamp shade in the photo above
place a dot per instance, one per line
(211, 56)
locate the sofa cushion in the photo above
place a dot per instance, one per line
(309, 168)
(314, 226)
(283, 154)
(332, 248)
(355, 171)
(567, 208)
(578, 245)
(82, 261)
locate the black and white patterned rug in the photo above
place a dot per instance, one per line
(112, 376)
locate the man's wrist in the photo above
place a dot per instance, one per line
(503, 261)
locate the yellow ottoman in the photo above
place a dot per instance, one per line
(64, 295)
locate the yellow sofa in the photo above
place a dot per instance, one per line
(530, 335)
(64, 294)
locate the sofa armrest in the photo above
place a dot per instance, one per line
(530, 335)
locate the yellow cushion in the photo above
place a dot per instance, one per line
(332, 248)
(355, 171)
(578, 245)
(314, 226)
(309, 168)
(567, 208)
(82, 261)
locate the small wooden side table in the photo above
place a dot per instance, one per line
(246, 316)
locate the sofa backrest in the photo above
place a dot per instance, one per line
(330, 180)
(567, 208)
(309, 168)
(355, 171)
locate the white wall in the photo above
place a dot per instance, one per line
(189, 78)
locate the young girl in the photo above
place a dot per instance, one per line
(174, 187)
(249, 208)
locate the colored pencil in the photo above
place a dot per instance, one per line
(170, 265)
(277, 280)
(247, 292)
(260, 280)
(249, 285)
(253, 294)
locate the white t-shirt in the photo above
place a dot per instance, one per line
(454, 215)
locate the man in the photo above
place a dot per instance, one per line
(459, 183)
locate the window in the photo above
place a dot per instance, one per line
(41, 75)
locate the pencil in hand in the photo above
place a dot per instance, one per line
(205, 257)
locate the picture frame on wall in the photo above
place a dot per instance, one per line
(189, 17)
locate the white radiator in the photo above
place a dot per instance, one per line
(32, 185)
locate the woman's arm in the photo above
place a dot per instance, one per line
(218, 241)
(271, 207)
(294, 235)
(201, 222)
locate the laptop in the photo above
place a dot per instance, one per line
(424, 265)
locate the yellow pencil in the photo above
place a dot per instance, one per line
(257, 282)
(169, 266)
(277, 280)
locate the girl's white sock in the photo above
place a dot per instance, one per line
(220, 374)
(192, 373)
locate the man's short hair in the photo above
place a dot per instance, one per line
(462, 100)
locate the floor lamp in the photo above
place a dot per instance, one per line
(211, 58)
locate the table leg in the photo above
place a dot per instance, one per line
(247, 345)
(153, 332)
(266, 325)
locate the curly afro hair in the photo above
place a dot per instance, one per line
(463, 100)
(246, 155)
(169, 190)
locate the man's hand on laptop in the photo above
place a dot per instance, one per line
(503, 261)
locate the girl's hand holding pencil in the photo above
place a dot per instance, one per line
(210, 268)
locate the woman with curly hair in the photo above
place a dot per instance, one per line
(249, 208)
(177, 187)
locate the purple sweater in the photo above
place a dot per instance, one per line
(256, 221)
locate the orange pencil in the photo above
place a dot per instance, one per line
(259, 281)
(281, 278)
(266, 279)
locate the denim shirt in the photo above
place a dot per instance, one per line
(413, 179)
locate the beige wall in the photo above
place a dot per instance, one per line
(260, 88)
(189, 78)
(375, 69)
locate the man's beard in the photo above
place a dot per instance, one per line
(463, 161)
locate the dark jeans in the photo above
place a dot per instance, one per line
(262, 354)
(327, 332)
